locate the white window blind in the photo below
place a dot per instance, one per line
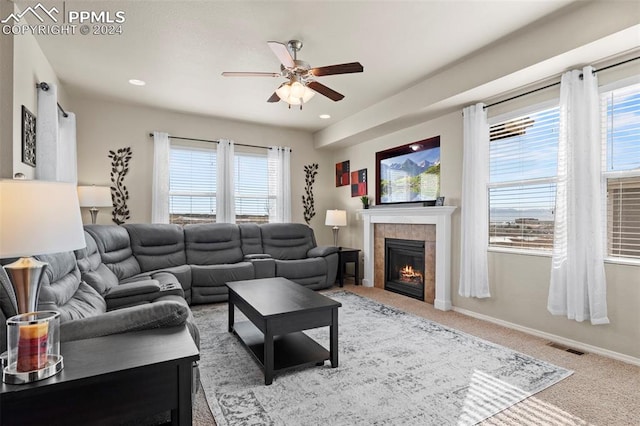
(621, 127)
(523, 163)
(251, 188)
(192, 185)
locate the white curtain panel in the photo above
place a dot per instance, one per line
(279, 165)
(161, 175)
(56, 151)
(67, 148)
(225, 191)
(578, 284)
(474, 279)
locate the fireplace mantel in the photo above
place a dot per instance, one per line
(438, 216)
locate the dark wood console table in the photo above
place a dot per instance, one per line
(110, 380)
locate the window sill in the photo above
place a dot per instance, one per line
(519, 251)
(622, 261)
(610, 260)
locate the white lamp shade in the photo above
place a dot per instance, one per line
(94, 196)
(39, 217)
(336, 218)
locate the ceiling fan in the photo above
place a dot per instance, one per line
(301, 84)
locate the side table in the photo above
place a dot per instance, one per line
(110, 380)
(348, 255)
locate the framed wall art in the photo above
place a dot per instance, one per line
(342, 173)
(28, 137)
(359, 183)
(409, 173)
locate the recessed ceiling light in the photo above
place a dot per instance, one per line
(325, 116)
(137, 82)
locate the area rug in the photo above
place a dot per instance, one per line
(394, 369)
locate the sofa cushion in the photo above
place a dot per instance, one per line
(157, 246)
(8, 307)
(251, 238)
(114, 245)
(213, 244)
(209, 281)
(287, 241)
(92, 270)
(62, 290)
(302, 268)
(8, 302)
(88, 258)
(219, 275)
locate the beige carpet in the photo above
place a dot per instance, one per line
(601, 391)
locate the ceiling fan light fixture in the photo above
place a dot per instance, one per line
(297, 89)
(284, 91)
(295, 93)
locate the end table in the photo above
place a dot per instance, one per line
(348, 255)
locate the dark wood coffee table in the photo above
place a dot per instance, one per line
(278, 311)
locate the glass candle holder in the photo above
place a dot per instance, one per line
(33, 347)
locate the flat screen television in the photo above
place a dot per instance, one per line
(409, 173)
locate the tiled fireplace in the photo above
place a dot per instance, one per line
(427, 275)
(405, 267)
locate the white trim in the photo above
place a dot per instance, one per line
(622, 261)
(552, 337)
(539, 253)
(438, 216)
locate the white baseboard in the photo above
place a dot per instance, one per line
(552, 337)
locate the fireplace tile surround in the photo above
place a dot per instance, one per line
(417, 232)
(431, 224)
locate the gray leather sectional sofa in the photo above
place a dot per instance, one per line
(145, 275)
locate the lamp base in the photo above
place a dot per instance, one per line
(335, 235)
(25, 275)
(13, 377)
(94, 214)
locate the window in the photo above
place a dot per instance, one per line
(523, 163)
(192, 185)
(621, 127)
(252, 188)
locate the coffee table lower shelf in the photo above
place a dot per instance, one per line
(289, 350)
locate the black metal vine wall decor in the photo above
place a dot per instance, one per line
(119, 193)
(310, 172)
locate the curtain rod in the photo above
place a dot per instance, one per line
(558, 83)
(212, 141)
(44, 86)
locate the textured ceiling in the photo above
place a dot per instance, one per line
(180, 49)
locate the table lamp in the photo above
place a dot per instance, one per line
(94, 196)
(36, 217)
(336, 218)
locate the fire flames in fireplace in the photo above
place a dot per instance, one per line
(410, 275)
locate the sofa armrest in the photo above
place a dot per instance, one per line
(257, 256)
(135, 318)
(322, 251)
(132, 289)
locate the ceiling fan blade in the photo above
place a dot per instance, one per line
(324, 90)
(250, 74)
(282, 52)
(274, 98)
(349, 68)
